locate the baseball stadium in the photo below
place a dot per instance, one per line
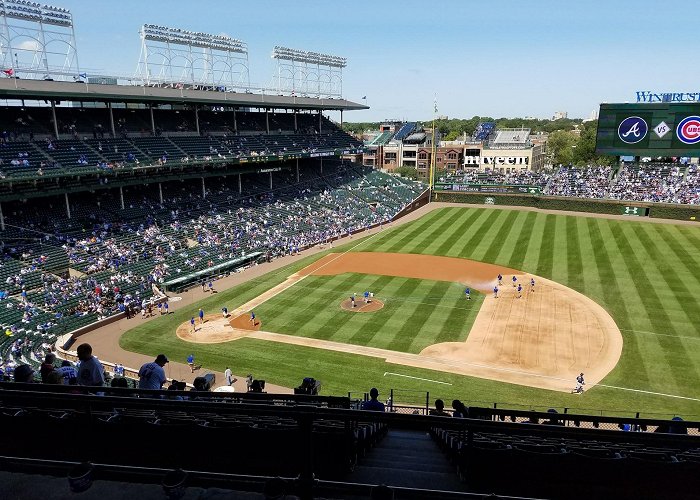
(498, 312)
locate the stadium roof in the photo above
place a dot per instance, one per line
(13, 88)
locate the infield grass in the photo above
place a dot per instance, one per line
(646, 275)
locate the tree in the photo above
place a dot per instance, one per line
(408, 172)
(560, 146)
(584, 153)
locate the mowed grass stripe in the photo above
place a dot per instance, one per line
(657, 315)
(457, 232)
(679, 242)
(461, 318)
(447, 232)
(344, 324)
(373, 332)
(464, 247)
(499, 238)
(652, 240)
(302, 306)
(415, 323)
(479, 248)
(419, 241)
(406, 234)
(509, 241)
(532, 251)
(522, 242)
(574, 260)
(545, 261)
(632, 362)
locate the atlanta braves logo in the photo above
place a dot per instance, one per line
(632, 130)
(688, 130)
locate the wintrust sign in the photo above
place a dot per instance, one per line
(497, 160)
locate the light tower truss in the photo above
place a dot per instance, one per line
(37, 41)
(176, 57)
(308, 73)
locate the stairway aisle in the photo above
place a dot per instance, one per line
(409, 459)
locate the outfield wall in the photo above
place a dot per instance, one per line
(616, 207)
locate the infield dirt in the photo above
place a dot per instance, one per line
(544, 338)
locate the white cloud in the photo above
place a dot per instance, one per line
(29, 45)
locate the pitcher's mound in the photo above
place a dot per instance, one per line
(361, 307)
(215, 329)
(243, 322)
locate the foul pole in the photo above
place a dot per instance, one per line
(433, 151)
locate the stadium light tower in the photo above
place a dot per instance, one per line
(302, 72)
(173, 56)
(37, 41)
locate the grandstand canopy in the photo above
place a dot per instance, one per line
(12, 88)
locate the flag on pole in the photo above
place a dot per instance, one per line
(82, 75)
(435, 105)
(9, 71)
(364, 97)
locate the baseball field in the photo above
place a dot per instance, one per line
(616, 299)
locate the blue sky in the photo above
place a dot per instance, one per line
(503, 58)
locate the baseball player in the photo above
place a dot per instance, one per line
(352, 300)
(190, 361)
(366, 295)
(515, 281)
(520, 290)
(192, 327)
(201, 316)
(500, 280)
(467, 292)
(495, 292)
(252, 317)
(532, 284)
(224, 311)
(579, 384)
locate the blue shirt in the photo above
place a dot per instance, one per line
(467, 291)
(190, 359)
(201, 314)
(192, 321)
(495, 289)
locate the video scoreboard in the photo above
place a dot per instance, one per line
(655, 130)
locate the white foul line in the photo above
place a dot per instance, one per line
(647, 392)
(417, 378)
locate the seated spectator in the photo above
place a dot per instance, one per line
(151, 375)
(68, 372)
(460, 411)
(47, 366)
(90, 372)
(439, 410)
(373, 404)
(53, 378)
(24, 374)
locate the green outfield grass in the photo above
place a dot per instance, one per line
(646, 275)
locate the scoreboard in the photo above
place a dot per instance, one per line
(662, 129)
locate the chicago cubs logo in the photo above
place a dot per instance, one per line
(632, 130)
(688, 130)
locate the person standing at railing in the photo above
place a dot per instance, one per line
(373, 404)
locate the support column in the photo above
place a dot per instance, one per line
(2, 219)
(196, 118)
(67, 205)
(321, 166)
(240, 184)
(160, 192)
(204, 189)
(297, 170)
(296, 127)
(55, 122)
(267, 121)
(270, 181)
(320, 116)
(341, 118)
(121, 196)
(111, 119)
(235, 125)
(153, 121)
